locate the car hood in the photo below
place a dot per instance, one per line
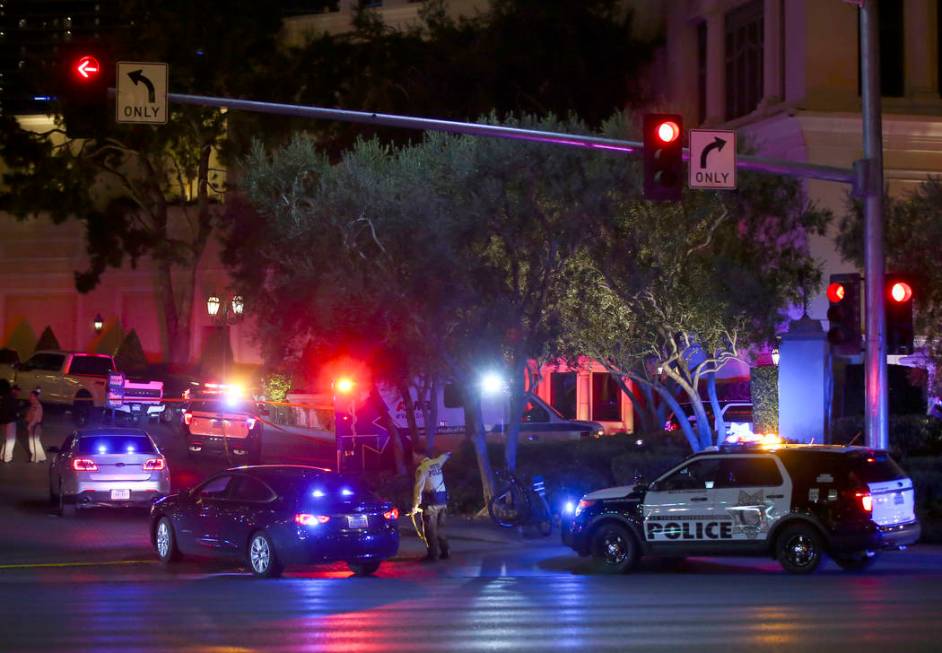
(618, 492)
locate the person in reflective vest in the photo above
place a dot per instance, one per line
(431, 497)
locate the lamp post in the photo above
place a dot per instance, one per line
(98, 324)
(225, 313)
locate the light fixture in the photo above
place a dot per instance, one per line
(775, 356)
(492, 383)
(212, 305)
(238, 305)
(99, 323)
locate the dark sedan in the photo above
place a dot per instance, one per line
(270, 516)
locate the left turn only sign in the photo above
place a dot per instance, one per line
(141, 93)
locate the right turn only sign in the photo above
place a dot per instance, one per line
(712, 158)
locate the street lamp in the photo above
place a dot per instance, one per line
(775, 356)
(99, 323)
(225, 312)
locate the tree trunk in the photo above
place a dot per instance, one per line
(430, 414)
(178, 342)
(474, 424)
(406, 396)
(644, 416)
(696, 404)
(671, 401)
(719, 424)
(518, 399)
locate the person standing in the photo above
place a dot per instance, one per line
(8, 408)
(34, 428)
(430, 495)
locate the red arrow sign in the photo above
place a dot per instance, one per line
(87, 67)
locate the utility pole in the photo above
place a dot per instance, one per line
(877, 409)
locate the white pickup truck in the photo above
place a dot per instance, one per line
(80, 380)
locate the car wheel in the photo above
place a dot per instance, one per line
(857, 561)
(799, 549)
(64, 506)
(614, 549)
(364, 568)
(165, 541)
(262, 559)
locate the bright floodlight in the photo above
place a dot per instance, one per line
(344, 385)
(492, 383)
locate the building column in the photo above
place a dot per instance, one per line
(920, 49)
(772, 73)
(716, 69)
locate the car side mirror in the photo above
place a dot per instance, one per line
(52, 449)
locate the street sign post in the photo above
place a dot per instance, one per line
(141, 93)
(712, 161)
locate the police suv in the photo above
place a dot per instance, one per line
(794, 503)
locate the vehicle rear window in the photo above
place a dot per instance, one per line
(876, 467)
(96, 365)
(115, 444)
(312, 488)
(219, 406)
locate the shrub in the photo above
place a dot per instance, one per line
(47, 340)
(763, 388)
(910, 435)
(130, 355)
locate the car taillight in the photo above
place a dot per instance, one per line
(582, 505)
(865, 500)
(392, 514)
(84, 465)
(154, 465)
(304, 519)
(187, 418)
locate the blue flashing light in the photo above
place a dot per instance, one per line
(569, 507)
(102, 448)
(131, 448)
(347, 492)
(317, 494)
(42, 98)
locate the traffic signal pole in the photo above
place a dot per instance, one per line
(876, 418)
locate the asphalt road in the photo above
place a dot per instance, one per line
(91, 583)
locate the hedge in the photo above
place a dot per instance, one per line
(909, 435)
(763, 388)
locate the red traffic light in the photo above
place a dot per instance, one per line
(668, 131)
(836, 292)
(344, 385)
(901, 292)
(86, 67)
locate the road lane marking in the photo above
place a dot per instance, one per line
(107, 563)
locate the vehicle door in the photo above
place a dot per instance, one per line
(39, 372)
(201, 522)
(250, 506)
(59, 464)
(678, 507)
(87, 372)
(753, 491)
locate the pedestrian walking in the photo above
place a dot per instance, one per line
(8, 408)
(34, 428)
(431, 498)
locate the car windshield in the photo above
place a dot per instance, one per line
(115, 444)
(96, 365)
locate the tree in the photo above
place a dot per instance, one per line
(142, 191)
(912, 236)
(48, 340)
(130, 356)
(669, 293)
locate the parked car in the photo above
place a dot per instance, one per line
(220, 419)
(270, 516)
(107, 466)
(793, 503)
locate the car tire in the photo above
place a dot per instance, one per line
(165, 542)
(364, 568)
(65, 506)
(856, 562)
(799, 549)
(262, 558)
(614, 549)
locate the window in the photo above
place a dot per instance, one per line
(696, 475)
(744, 43)
(215, 488)
(701, 72)
(563, 393)
(748, 472)
(534, 413)
(250, 489)
(891, 49)
(452, 396)
(606, 398)
(45, 362)
(93, 365)
(115, 444)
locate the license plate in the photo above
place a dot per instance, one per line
(898, 498)
(136, 408)
(357, 521)
(120, 495)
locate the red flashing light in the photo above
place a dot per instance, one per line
(154, 464)
(87, 67)
(187, 418)
(668, 131)
(901, 292)
(344, 385)
(836, 292)
(84, 465)
(392, 515)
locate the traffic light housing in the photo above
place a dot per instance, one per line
(899, 314)
(663, 156)
(84, 77)
(844, 298)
